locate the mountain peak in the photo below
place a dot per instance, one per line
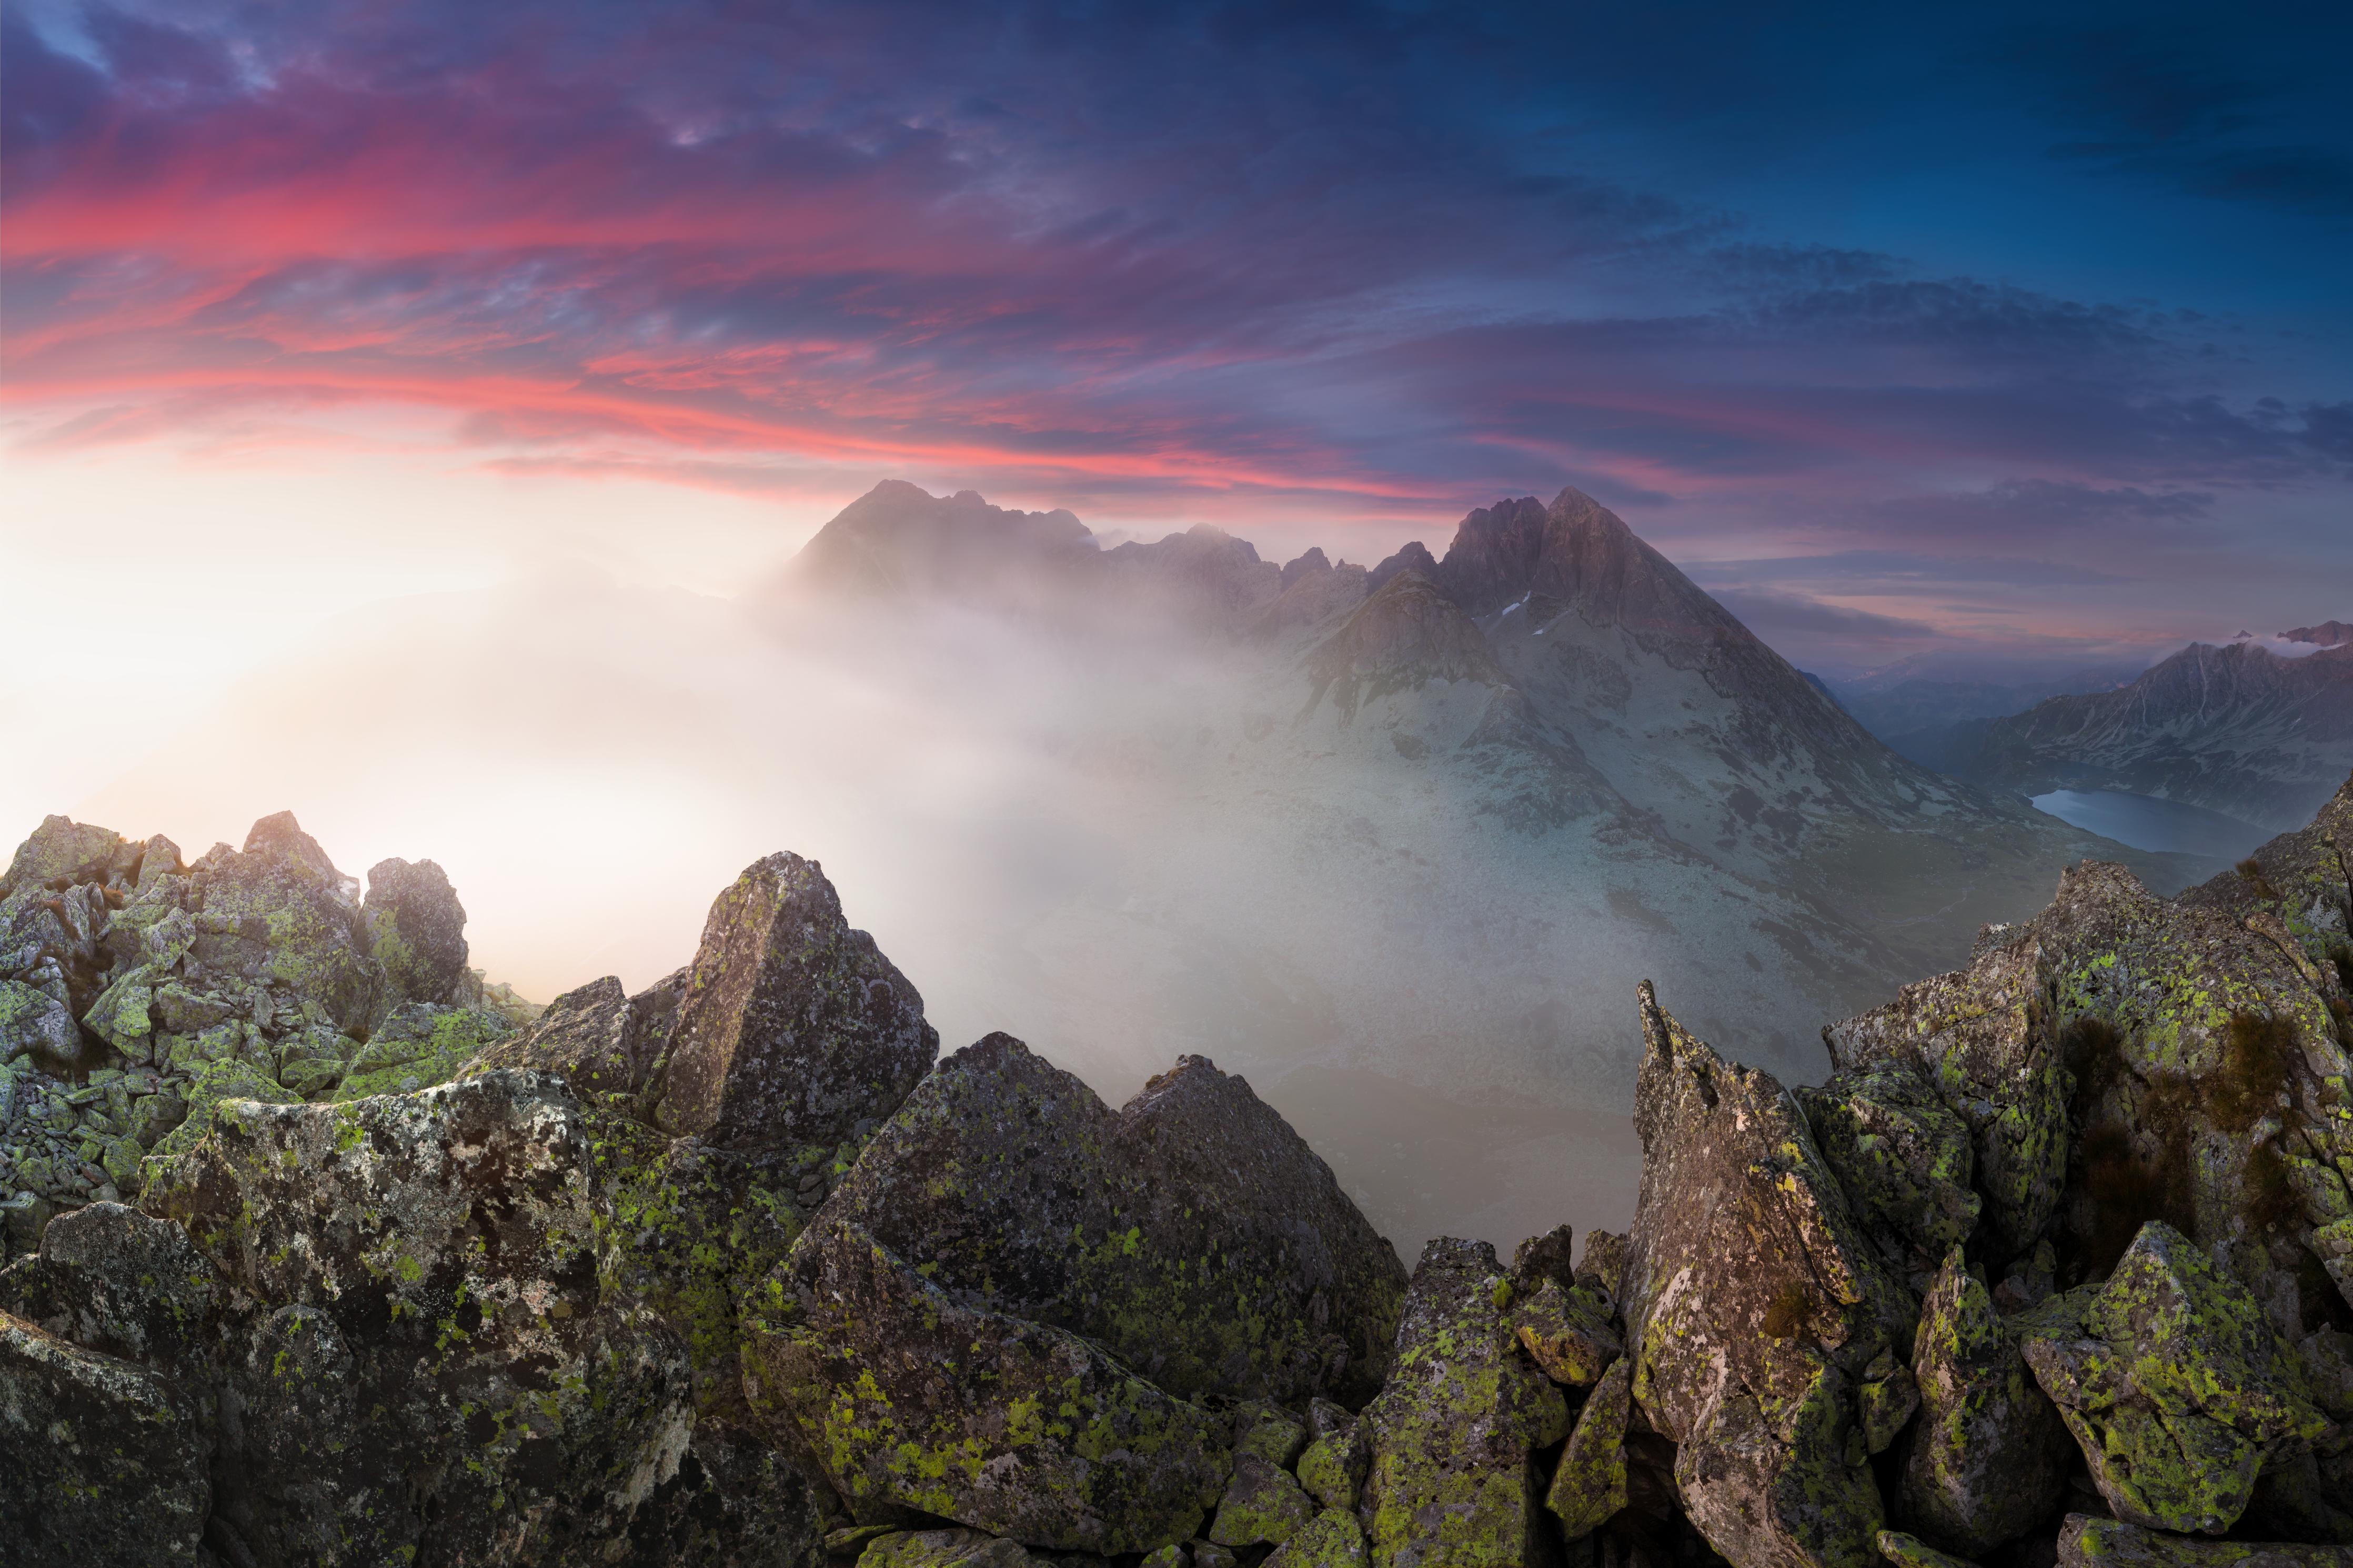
(899, 537)
(1404, 635)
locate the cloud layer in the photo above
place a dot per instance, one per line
(1343, 264)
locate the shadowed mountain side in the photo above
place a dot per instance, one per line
(2236, 729)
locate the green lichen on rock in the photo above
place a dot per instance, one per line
(912, 1400)
(419, 1045)
(1193, 1233)
(107, 1460)
(1451, 1479)
(1753, 1309)
(1332, 1468)
(1270, 1432)
(1987, 1459)
(1567, 1331)
(1904, 1159)
(1333, 1539)
(1262, 1505)
(943, 1548)
(1589, 1486)
(2088, 1543)
(1907, 1550)
(2174, 1387)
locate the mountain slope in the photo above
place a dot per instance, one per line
(2235, 729)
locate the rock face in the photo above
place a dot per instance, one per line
(912, 1402)
(1451, 1435)
(135, 989)
(1192, 1232)
(792, 1028)
(2175, 1386)
(719, 1274)
(1755, 1309)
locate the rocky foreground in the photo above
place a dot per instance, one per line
(322, 1252)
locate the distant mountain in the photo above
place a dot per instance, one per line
(2236, 729)
(1908, 703)
(2327, 634)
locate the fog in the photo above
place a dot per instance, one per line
(1053, 831)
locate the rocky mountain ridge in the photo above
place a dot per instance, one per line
(2055, 1268)
(2235, 728)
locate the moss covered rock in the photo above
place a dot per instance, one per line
(2088, 1543)
(911, 1400)
(415, 1336)
(416, 931)
(112, 1280)
(1192, 1233)
(1987, 1458)
(1589, 1485)
(1451, 1479)
(1754, 1308)
(420, 1045)
(1903, 1158)
(793, 1028)
(106, 1460)
(1332, 1469)
(1262, 1505)
(2175, 1387)
(1333, 1539)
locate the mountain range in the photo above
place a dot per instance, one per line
(1397, 839)
(2235, 730)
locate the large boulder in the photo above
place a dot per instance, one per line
(416, 932)
(1755, 1311)
(106, 1462)
(914, 1402)
(1979, 1036)
(1451, 1480)
(419, 1356)
(1191, 1232)
(2175, 1387)
(1903, 1158)
(1987, 1460)
(2088, 1543)
(112, 1280)
(595, 1036)
(793, 1028)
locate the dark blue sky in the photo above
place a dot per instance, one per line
(1995, 328)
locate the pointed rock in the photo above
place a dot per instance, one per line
(793, 1028)
(1753, 1307)
(416, 931)
(1192, 1232)
(1590, 1486)
(1451, 1480)
(1987, 1459)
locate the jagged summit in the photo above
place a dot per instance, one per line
(1404, 637)
(899, 538)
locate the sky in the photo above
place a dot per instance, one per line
(2006, 331)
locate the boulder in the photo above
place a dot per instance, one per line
(2174, 1387)
(1589, 1485)
(2088, 1543)
(65, 851)
(112, 1280)
(279, 913)
(911, 1400)
(1754, 1307)
(1191, 1232)
(595, 1036)
(416, 932)
(419, 1046)
(1333, 1539)
(1978, 1037)
(1542, 1257)
(1332, 1468)
(1903, 1158)
(1604, 1263)
(793, 1028)
(106, 1460)
(417, 1352)
(943, 1548)
(1268, 1431)
(1907, 1550)
(1262, 1505)
(1451, 1479)
(34, 1022)
(1987, 1459)
(1568, 1331)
